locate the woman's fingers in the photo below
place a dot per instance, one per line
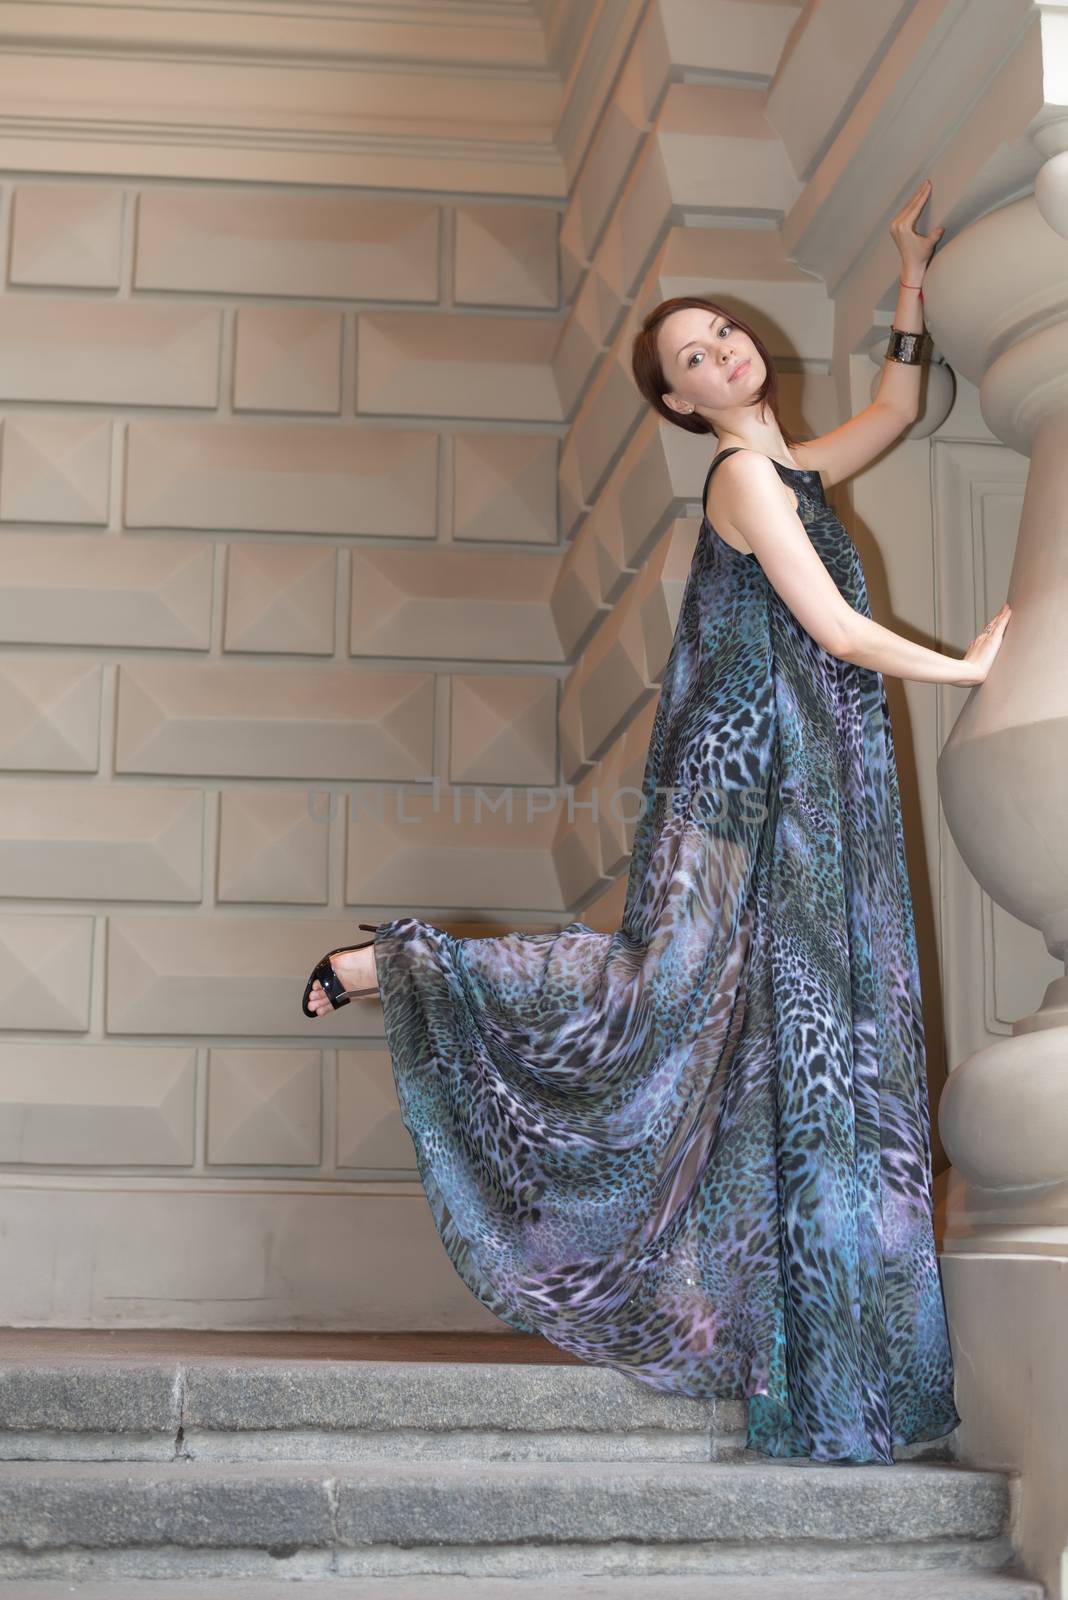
(919, 200)
(902, 225)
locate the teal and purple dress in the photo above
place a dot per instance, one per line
(697, 1149)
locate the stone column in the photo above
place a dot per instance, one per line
(997, 306)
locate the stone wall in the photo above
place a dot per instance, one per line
(278, 494)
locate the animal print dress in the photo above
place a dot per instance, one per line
(697, 1149)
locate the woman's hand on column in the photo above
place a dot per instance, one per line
(916, 248)
(984, 647)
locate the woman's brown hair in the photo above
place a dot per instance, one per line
(649, 372)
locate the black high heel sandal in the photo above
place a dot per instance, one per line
(329, 979)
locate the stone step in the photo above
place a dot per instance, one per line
(247, 1409)
(841, 1586)
(386, 1519)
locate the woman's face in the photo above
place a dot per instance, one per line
(699, 352)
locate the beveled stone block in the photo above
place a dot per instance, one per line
(573, 758)
(659, 599)
(582, 343)
(277, 479)
(611, 410)
(238, 241)
(622, 777)
(100, 841)
(457, 366)
(573, 262)
(576, 601)
(405, 848)
(713, 149)
(612, 150)
(572, 499)
(625, 659)
(287, 358)
(238, 720)
(264, 1107)
(593, 572)
(615, 679)
(603, 529)
(506, 255)
(633, 760)
(49, 713)
(66, 234)
(503, 729)
(369, 1259)
(695, 37)
(273, 845)
(44, 971)
(646, 74)
(55, 469)
(577, 845)
(229, 976)
(280, 598)
(97, 1105)
(619, 804)
(504, 486)
(84, 589)
(623, 662)
(642, 218)
(491, 607)
(370, 1132)
(663, 469)
(609, 268)
(109, 352)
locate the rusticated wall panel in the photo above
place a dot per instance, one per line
(278, 530)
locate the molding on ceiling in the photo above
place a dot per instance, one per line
(467, 33)
(410, 165)
(454, 97)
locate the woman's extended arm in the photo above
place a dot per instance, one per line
(899, 384)
(869, 644)
(850, 447)
(778, 538)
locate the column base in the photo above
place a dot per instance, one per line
(1007, 1315)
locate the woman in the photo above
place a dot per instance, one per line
(697, 1150)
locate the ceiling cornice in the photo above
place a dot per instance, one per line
(344, 34)
(453, 96)
(426, 95)
(465, 33)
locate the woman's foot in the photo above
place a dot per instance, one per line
(355, 968)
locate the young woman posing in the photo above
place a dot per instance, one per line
(697, 1149)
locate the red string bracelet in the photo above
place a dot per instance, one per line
(905, 285)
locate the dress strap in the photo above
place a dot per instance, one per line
(722, 456)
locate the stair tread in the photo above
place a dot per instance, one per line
(454, 1503)
(727, 1586)
(920, 1474)
(244, 1393)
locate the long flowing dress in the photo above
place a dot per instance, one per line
(697, 1150)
